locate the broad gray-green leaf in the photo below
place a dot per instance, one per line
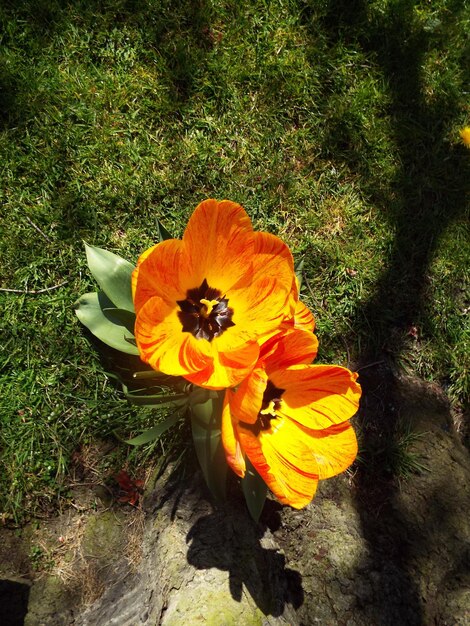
(113, 274)
(157, 431)
(206, 420)
(254, 489)
(91, 311)
(126, 318)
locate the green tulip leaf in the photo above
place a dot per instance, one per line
(206, 420)
(123, 317)
(113, 275)
(155, 399)
(254, 489)
(163, 234)
(94, 312)
(157, 431)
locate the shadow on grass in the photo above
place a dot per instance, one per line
(427, 195)
(177, 32)
(430, 190)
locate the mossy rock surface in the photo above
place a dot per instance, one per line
(104, 537)
(367, 550)
(50, 603)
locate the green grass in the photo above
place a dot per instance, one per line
(334, 123)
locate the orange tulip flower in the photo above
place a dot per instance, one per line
(298, 316)
(291, 419)
(203, 303)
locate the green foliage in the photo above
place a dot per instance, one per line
(334, 123)
(110, 325)
(206, 415)
(113, 274)
(255, 490)
(157, 431)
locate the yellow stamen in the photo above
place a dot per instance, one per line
(270, 409)
(208, 305)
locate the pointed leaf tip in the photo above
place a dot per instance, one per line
(255, 491)
(113, 274)
(163, 233)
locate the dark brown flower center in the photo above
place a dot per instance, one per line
(269, 405)
(205, 312)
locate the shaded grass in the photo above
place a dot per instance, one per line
(335, 125)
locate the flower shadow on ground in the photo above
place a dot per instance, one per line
(227, 539)
(230, 541)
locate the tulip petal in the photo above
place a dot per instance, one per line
(162, 273)
(136, 271)
(259, 308)
(233, 451)
(163, 345)
(260, 298)
(272, 257)
(228, 368)
(283, 460)
(219, 244)
(246, 400)
(317, 396)
(290, 347)
(303, 317)
(334, 448)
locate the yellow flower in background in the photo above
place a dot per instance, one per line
(204, 302)
(465, 135)
(291, 419)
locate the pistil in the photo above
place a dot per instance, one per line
(207, 307)
(270, 404)
(271, 408)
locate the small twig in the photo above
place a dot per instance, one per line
(48, 239)
(317, 304)
(348, 365)
(31, 292)
(364, 367)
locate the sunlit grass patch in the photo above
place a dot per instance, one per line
(335, 124)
